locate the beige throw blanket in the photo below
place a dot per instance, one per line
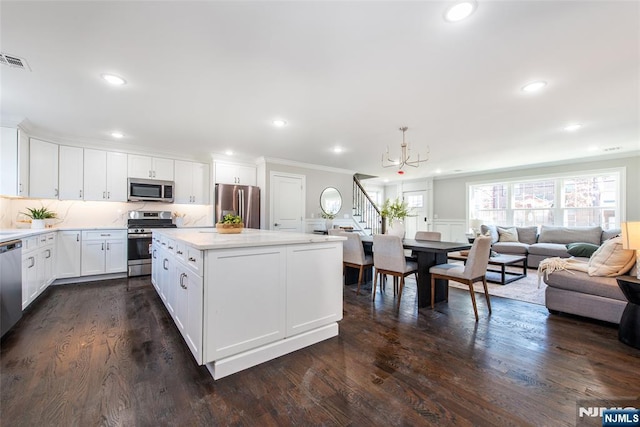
(549, 265)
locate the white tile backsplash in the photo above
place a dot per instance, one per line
(98, 214)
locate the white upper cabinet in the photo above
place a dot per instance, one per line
(191, 183)
(70, 179)
(43, 169)
(14, 162)
(232, 173)
(150, 167)
(105, 176)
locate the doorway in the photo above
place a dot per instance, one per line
(287, 202)
(419, 219)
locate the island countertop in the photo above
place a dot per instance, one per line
(209, 238)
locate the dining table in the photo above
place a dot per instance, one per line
(428, 253)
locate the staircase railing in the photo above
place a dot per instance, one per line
(366, 209)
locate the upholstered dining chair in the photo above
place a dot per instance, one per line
(388, 259)
(474, 270)
(428, 235)
(334, 231)
(353, 255)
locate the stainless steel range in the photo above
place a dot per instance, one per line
(140, 226)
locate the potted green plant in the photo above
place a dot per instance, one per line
(39, 216)
(394, 212)
(230, 224)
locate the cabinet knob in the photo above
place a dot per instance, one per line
(192, 259)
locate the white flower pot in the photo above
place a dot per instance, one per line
(38, 223)
(328, 223)
(397, 229)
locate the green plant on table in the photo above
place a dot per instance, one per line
(39, 213)
(231, 219)
(394, 210)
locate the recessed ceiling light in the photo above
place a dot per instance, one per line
(337, 150)
(114, 80)
(593, 148)
(229, 153)
(279, 123)
(117, 134)
(573, 127)
(385, 180)
(534, 86)
(438, 171)
(459, 11)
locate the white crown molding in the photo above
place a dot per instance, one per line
(596, 158)
(305, 165)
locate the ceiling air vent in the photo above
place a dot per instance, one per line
(14, 62)
(611, 149)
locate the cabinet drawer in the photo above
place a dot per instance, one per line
(194, 259)
(51, 238)
(181, 251)
(168, 244)
(30, 243)
(104, 234)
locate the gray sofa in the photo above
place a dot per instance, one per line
(550, 242)
(575, 292)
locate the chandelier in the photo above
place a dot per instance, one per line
(405, 156)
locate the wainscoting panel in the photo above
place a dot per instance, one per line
(453, 230)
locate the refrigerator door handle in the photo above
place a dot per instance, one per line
(241, 204)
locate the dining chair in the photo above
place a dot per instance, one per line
(353, 255)
(474, 270)
(389, 259)
(334, 231)
(428, 235)
(423, 235)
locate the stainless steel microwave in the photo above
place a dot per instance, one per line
(149, 190)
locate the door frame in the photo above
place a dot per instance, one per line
(303, 179)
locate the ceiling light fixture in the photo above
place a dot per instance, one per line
(117, 135)
(459, 11)
(534, 86)
(337, 150)
(279, 123)
(405, 156)
(113, 79)
(229, 153)
(572, 127)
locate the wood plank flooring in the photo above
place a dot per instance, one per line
(99, 354)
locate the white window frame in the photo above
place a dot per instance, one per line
(558, 209)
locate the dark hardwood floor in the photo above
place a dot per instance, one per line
(99, 354)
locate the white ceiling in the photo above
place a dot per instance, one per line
(206, 76)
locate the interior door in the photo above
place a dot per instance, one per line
(287, 202)
(418, 221)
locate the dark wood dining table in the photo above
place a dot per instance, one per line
(429, 253)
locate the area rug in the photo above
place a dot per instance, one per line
(525, 289)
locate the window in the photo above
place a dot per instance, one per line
(580, 200)
(415, 201)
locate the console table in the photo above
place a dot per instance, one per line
(629, 329)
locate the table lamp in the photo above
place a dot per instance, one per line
(631, 240)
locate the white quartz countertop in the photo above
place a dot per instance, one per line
(209, 238)
(7, 234)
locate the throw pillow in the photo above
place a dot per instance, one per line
(582, 249)
(611, 260)
(490, 230)
(508, 234)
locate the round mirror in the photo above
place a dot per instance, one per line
(330, 201)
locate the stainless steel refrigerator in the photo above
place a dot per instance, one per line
(243, 200)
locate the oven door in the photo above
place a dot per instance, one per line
(138, 254)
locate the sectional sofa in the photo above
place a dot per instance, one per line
(568, 290)
(550, 242)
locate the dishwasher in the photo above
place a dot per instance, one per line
(10, 284)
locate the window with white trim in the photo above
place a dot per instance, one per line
(588, 199)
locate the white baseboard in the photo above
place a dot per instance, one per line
(238, 362)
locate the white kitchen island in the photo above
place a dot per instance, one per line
(241, 300)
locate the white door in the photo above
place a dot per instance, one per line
(43, 170)
(116, 177)
(70, 173)
(95, 175)
(287, 202)
(419, 220)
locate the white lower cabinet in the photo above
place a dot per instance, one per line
(103, 252)
(38, 261)
(68, 253)
(155, 263)
(188, 307)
